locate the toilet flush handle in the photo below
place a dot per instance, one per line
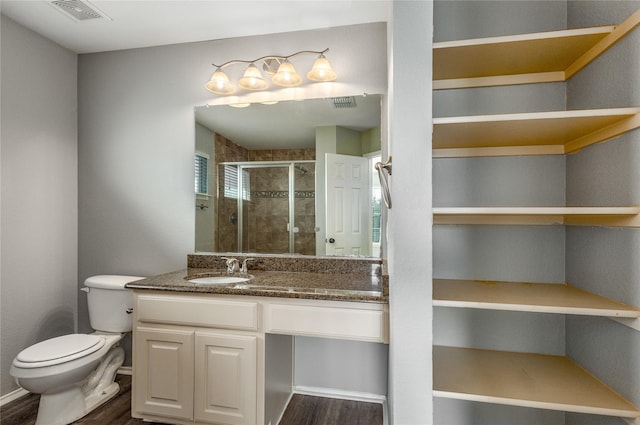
(85, 289)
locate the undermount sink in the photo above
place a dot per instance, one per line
(220, 279)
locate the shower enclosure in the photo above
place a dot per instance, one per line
(266, 207)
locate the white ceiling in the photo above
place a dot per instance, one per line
(144, 23)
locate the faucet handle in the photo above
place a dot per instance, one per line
(244, 268)
(233, 264)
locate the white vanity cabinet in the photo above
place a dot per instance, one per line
(195, 360)
(200, 358)
(226, 378)
(164, 372)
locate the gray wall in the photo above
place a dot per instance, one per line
(409, 237)
(39, 193)
(359, 367)
(606, 260)
(136, 145)
(459, 20)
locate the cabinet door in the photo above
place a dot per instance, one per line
(163, 367)
(225, 378)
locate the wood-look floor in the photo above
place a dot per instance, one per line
(302, 410)
(310, 410)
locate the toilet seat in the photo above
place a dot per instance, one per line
(59, 350)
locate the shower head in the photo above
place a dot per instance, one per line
(301, 169)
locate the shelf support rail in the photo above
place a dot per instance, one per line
(633, 323)
(604, 134)
(618, 33)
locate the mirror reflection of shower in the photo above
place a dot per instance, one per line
(266, 207)
(289, 131)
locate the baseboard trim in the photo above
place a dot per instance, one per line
(346, 395)
(342, 394)
(125, 370)
(284, 409)
(13, 395)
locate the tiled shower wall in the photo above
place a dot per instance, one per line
(227, 235)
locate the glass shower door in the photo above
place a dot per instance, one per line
(304, 230)
(265, 209)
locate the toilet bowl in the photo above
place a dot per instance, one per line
(75, 373)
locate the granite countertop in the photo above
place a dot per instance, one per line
(357, 286)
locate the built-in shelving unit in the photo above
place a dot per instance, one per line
(522, 59)
(528, 379)
(531, 297)
(523, 379)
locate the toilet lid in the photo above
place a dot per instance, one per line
(59, 350)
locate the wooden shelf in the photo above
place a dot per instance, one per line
(468, 63)
(523, 379)
(530, 297)
(533, 133)
(601, 216)
(522, 59)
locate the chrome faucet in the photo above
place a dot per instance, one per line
(244, 268)
(233, 264)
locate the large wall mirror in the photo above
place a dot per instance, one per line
(294, 177)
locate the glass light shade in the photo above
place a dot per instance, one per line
(286, 75)
(321, 70)
(220, 84)
(252, 79)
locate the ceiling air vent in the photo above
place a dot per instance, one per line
(344, 102)
(79, 10)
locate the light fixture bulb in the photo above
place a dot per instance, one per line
(286, 75)
(321, 70)
(252, 79)
(220, 84)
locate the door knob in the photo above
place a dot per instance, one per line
(331, 240)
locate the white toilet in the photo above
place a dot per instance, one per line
(75, 373)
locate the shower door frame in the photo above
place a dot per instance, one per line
(291, 187)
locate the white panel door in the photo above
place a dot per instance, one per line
(347, 205)
(226, 378)
(163, 381)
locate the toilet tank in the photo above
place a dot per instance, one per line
(110, 304)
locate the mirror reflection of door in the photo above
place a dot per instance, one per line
(348, 193)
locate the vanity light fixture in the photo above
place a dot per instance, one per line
(252, 79)
(285, 76)
(321, 70)
(219, 83)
